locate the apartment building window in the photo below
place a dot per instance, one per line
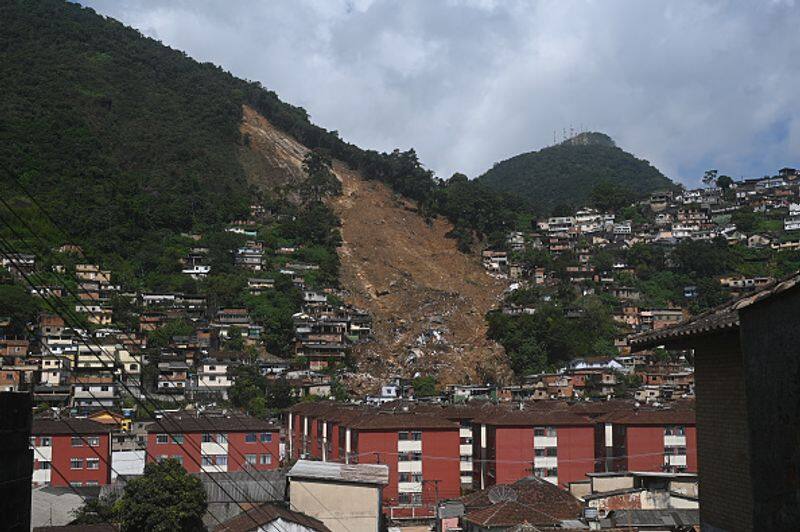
(45, 441)
(162, 439)
(409, 457)
(92, 483)
(266, 459)
(545, 471)
(414, 435)
(266, 437)
(92, 463)
(251, 459)
(222, 459)
(76, 441)
(76, 463)
(222, 438)
(544, 431)
(44, 466)
(410, 477)
(207, 461)
(208, 438)
(466, 441)
(93, 441)
(178, 458)
(466, 458)
(177, 438)
(411, 499)
(250, 437)
(676, 430)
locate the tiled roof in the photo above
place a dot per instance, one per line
(48, 427)
(678, 413)
(405, 420)
(266, 513)
(535, 502)
(185, 423)
(723, 317)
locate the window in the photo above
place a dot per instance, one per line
(677, 430)
(76, 463)
(222, 438)
(76, 441)
(93, 441)
(402, 436)
(410, 477)
(413, 499)
(266, 437)
(207, 438)
(177, 438)
(250, 437)
(45, 441)
(266, 459)
(409, 457)
(251, 459)
(551, 451)
(178, 458)
(466, 441)
(207, 461)
(44, 466)
(162, 439)
(222, 459)
(92, 463)
(92, 483)
(104, 388)
(466, 458)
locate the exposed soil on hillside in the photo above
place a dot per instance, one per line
(427, 299)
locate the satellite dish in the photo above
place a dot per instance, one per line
(502, 493)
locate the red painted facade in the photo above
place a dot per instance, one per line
(576, 453)
(644, 446)
(79, 452)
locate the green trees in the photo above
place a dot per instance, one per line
(424, 386)
(249, 391)
(164, 499)
(17, 304)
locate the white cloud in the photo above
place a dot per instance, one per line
(688, 85)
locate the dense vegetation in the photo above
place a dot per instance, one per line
(128, 143)
(568, 173)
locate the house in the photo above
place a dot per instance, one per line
(93, 392)
(270, 517)
(748, 416)
(214, 373)
(345, 497)
(529, 502)
(215, 442)
(70, 452)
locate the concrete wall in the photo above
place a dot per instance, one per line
(771, 346)
(342, 507)
(604, 484)
(723, 445)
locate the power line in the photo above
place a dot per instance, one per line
(150, 413)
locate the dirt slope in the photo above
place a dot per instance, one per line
(427, 299)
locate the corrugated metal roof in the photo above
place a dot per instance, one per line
(354, 473)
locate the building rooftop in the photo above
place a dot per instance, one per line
(184, 423)
(78, 426)
(377, 474)
(265, 514)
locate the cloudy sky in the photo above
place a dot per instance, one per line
(687, 85)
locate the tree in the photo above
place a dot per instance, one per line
(96, 511)
(165, 499)
(724, 182)
(710, 178)
(608, 196)
(249, 390)
(279, 394)
(320, 181)
(424, 386)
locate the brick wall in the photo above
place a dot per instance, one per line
(771, 346)
(722, 435)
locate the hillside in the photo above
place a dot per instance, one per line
(568, 173)
(427, 299)
(131, 147)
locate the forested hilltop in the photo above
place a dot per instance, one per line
(575, 172)
(129, 142)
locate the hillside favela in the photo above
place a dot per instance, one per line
(399, 266)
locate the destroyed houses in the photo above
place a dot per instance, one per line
(257, 286)
(215, 443)
(214, 372)
(495, 261)
(746, 368)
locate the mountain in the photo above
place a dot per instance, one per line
(140, 154)
(568, 173)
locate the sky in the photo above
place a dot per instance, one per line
(688, 85)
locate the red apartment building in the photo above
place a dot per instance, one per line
(73, 452)
(215, 443)
(422, 450)
(652, 439)
(557, 445)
